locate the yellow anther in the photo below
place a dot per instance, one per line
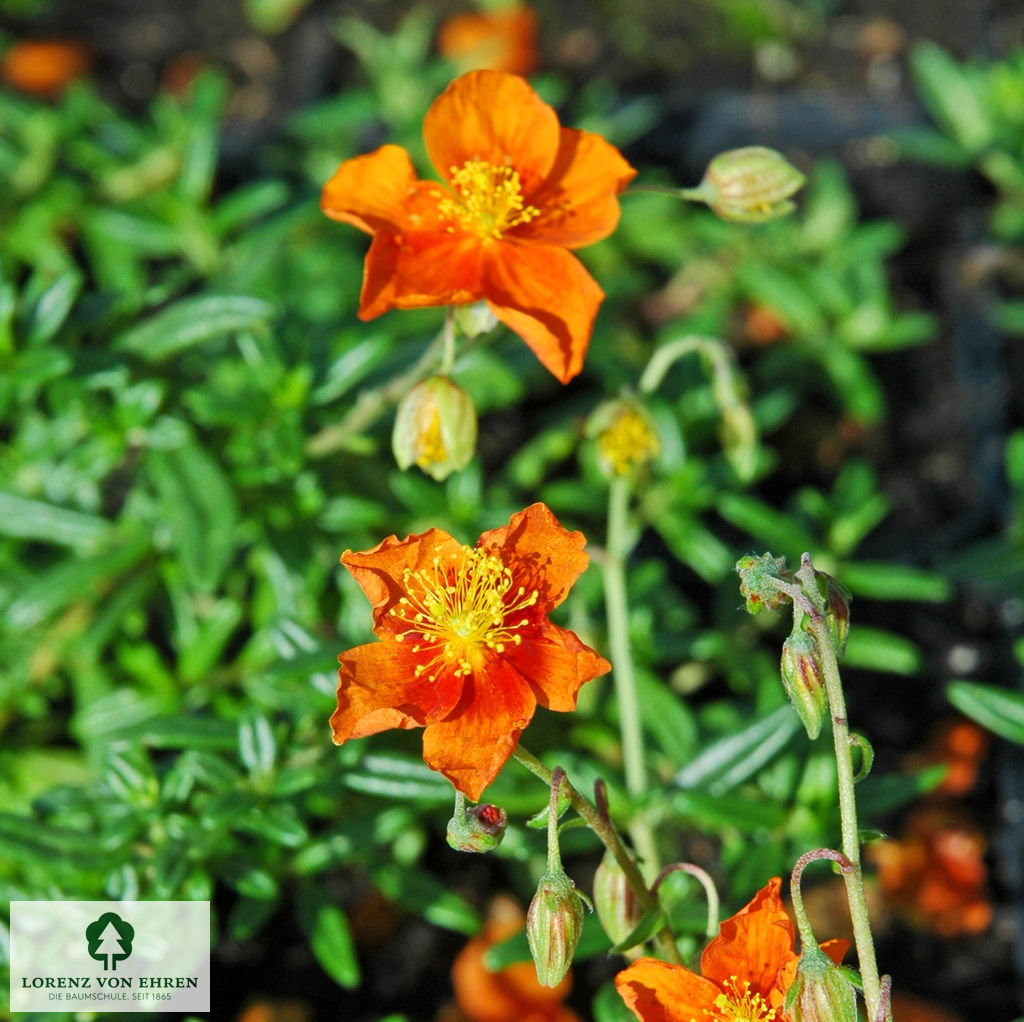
(487, 199)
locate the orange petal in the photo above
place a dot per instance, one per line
(415, 271)
(540, 553)
(556, 664)
(378, 690)
(494, 117)
(371, 192)
(658, 992)
(380, 570)
(754, 945)
(579, 201)
(474, 743)
(545, 295)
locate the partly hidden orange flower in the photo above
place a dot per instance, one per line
(466, 649)
(519, 192)
(502, 40)
(44, 67)
(512, 994)
(745, 971)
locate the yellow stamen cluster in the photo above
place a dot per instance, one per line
(628, 441)
(488, 199)
(459, 607)
(736, 1005)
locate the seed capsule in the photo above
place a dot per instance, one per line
(751, 185)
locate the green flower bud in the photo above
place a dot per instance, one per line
(756, 577)
(626, 437)
(477, 828)
(615, 900)
(435, 428)
(837, 610)
(803, 680)
(554, 922)
(751, 185)
(821, 991)
(474, 319)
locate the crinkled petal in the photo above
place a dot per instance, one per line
(540, 553)
(656, 991)
(494, 117)
(578, 202)
(556, 664)
(545, 295)
(372, 192)
(754, 945)
(476, 740)
(418, 270)
(380, 571)
(378, 690)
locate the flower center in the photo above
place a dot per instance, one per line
(487, 199)
(458, 608)
(736, 1005)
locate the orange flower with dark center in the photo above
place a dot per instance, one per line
(466, 649)
(502, 40)
(519, 192)
(745, 971)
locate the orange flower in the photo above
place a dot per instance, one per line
(44, 67)
(513, 994)
(502, 40)
(519, 191)
(466, 649)
(746, 971)
(935, 874)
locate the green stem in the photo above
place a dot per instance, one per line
(854, 876)
(554, 855)
(710, 891)
(623, 674)
(609, 837)
(807, 939)
(448, 340)
(697, 194)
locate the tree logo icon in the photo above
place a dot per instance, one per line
(110, 940)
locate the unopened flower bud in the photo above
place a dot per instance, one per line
(477, 828)
(837, 610)
(821, 992)
(554, 922)
(626, 436)
(752, 185)
(803, 680)
(474, 319)
(615, 900)
(757, 575)
(435, 428)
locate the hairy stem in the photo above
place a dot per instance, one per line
(609, 837)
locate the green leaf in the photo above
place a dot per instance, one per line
(889, 581)
(650, 922)
(329, 935)
(1001, 710)
(193, 321)
(952, 95)
(608, 1006)
(52, 308)
(397, 777)
(182, 732)
(256, 744)
(775, 530)
(198, 510)
(877, 650)
(421, 892)
(731, 760)
(712, 812)
(667, 717)
(36, 519)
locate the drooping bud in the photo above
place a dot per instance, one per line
(751, 185)
(615, 900)
(625, 434)
(435, 428)
(837, 610)
(821, 991)
(477, 828)
(474, 319)
(757, 577)
(554, 922)
(803, 680)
